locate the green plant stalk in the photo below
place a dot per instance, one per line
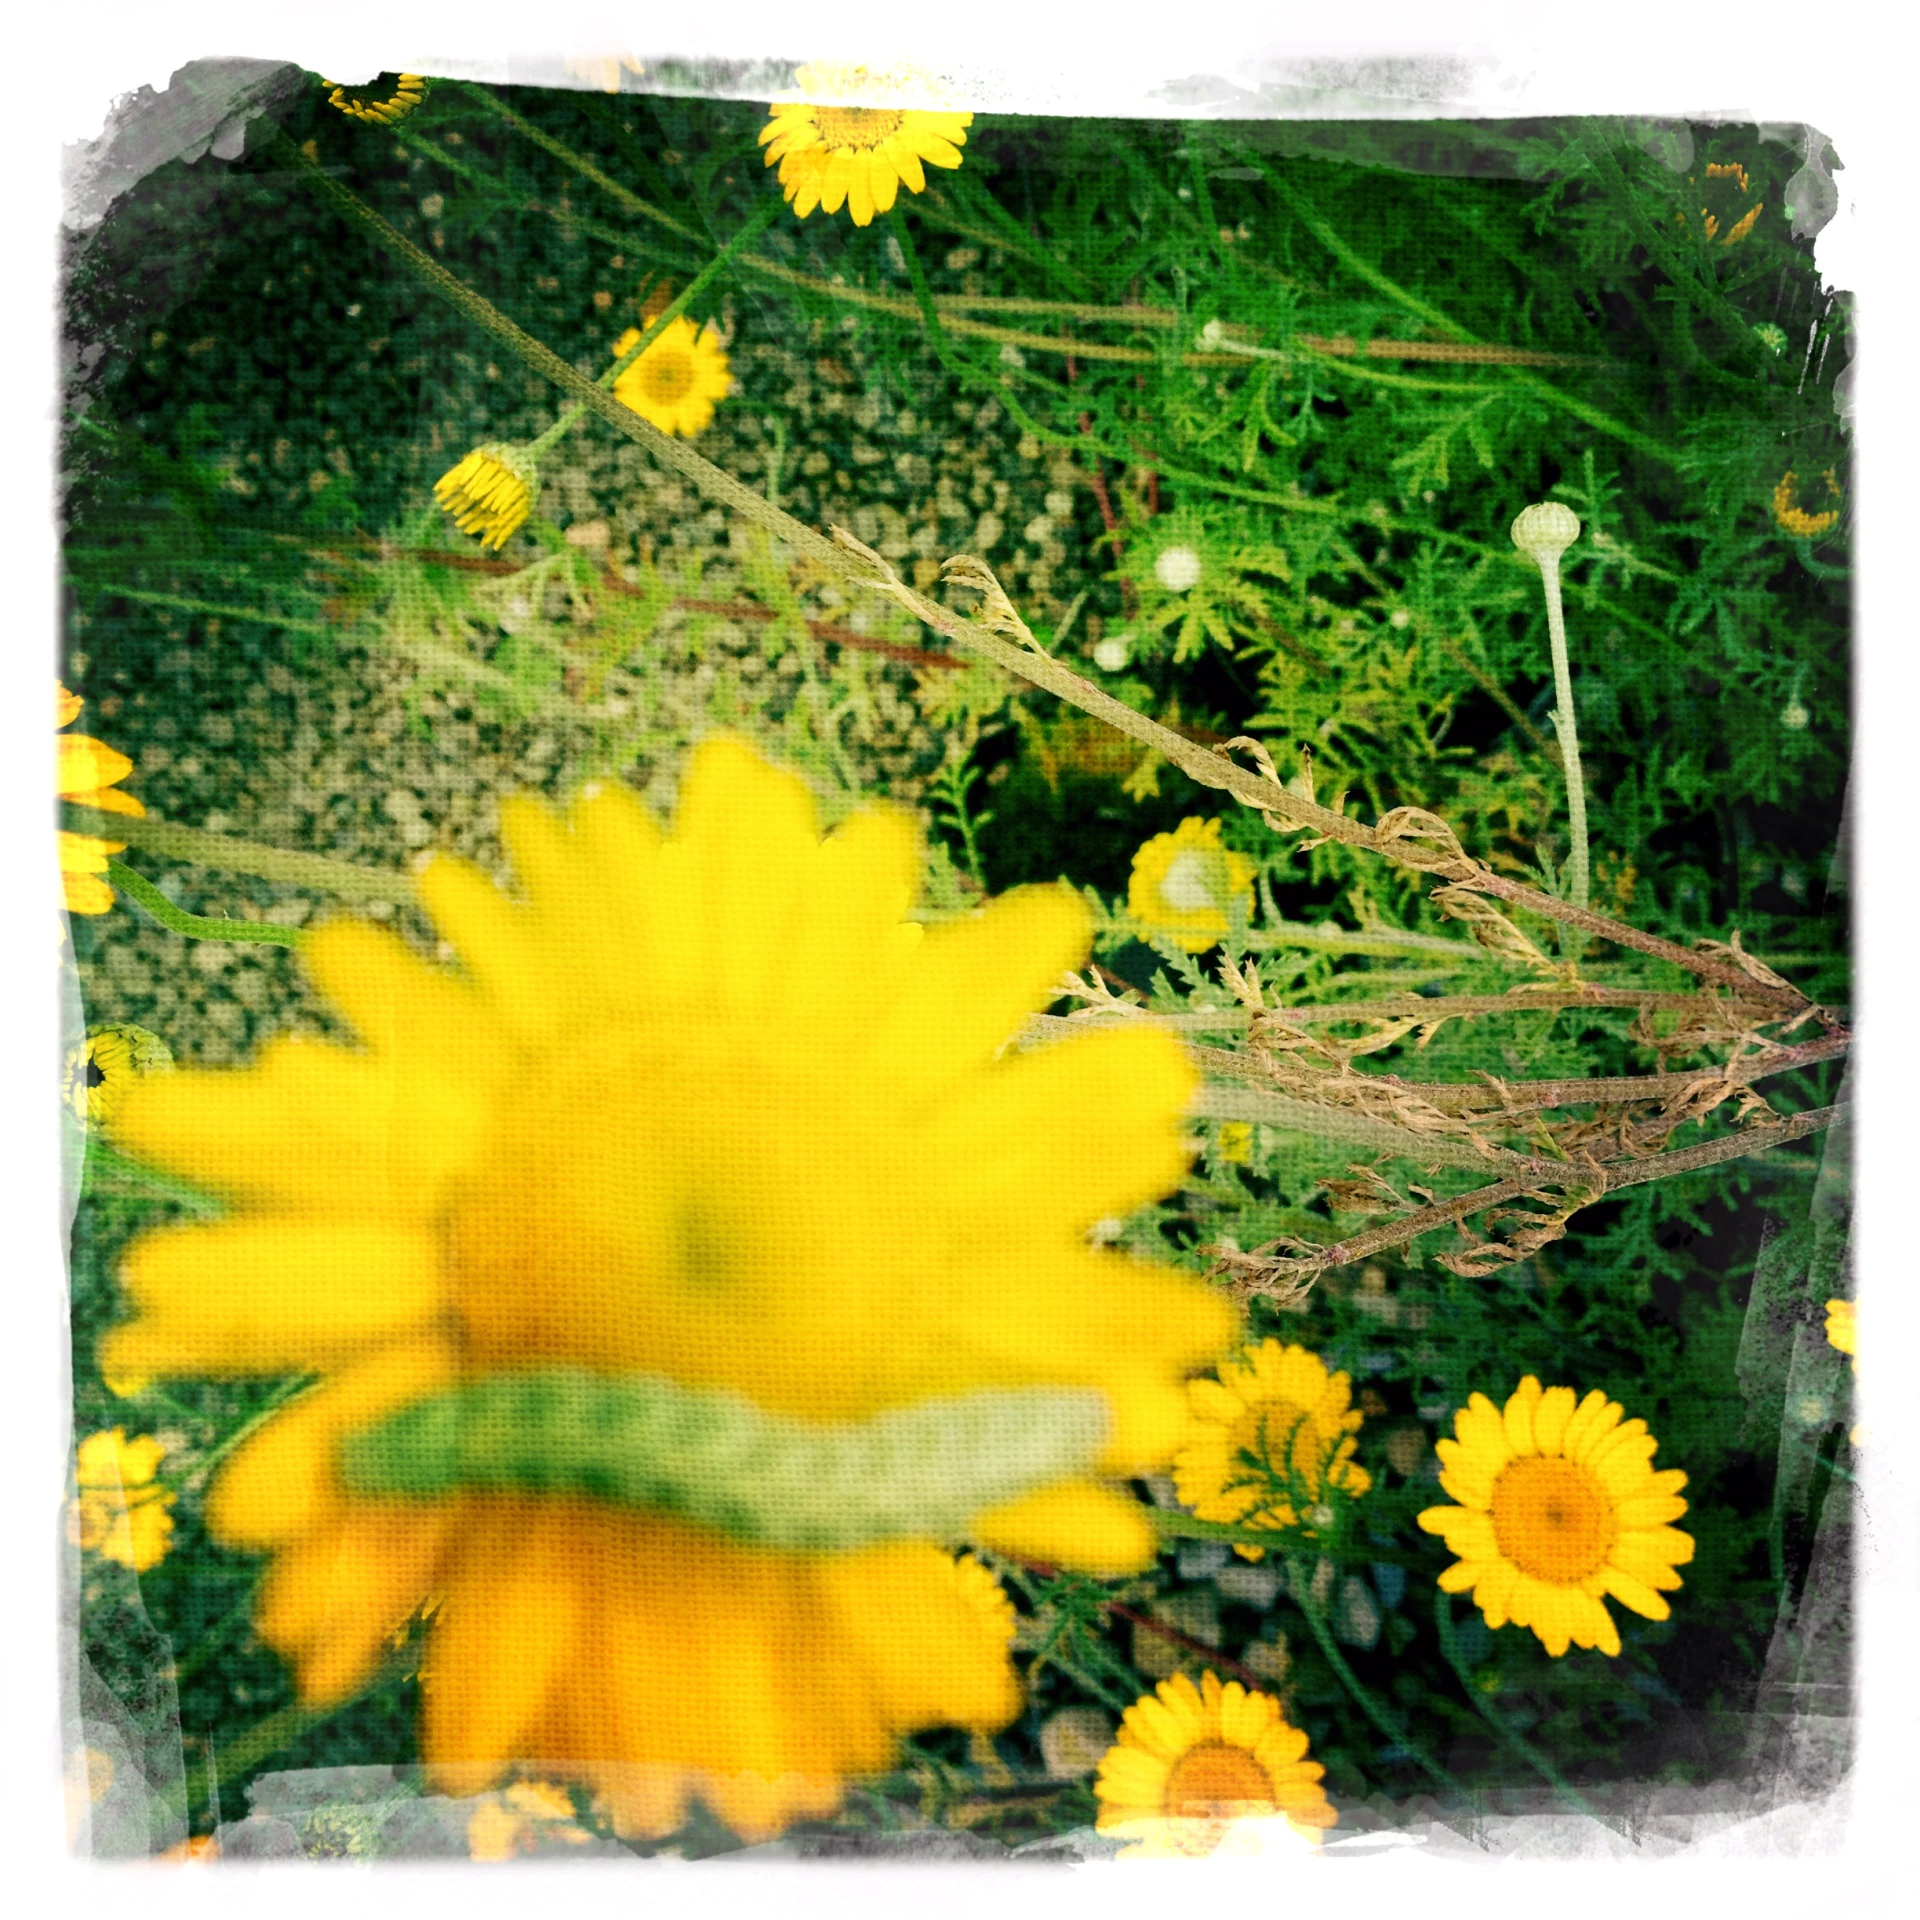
(1578, 871)
(197, 926)
(1508, 1732)
(213, 609)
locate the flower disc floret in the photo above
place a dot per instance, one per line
(675, 382)
(855, 137)
(1559, 1507)
(1189, 1762)
(702, 1104)
(1273, 1438)
(1184, 884)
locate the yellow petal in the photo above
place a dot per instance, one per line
(1073, 1524)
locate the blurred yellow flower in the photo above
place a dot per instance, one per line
(674, 384)
(1185, 882)
(1793, 516)
(106, 1063)
(855, 137)
(520, 1820)
(1273, 1439)
(1843, 1329)
(490, 492)
(1189, 1763)
(1559, 1505)
(88, 772)
(409, 91)
(117, 1511)
(1233, 1145)
(787, 1085)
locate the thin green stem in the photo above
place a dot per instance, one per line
(197, 926)
(1508, 1732)
(215, 609)
(1568, 732)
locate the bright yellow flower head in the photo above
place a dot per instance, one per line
(1559, 1505)
(675, 382)
(117, 1511)
(1273, 1441)
(1184, 883)
(702, 1105)
(1843, 1330)
(89, 772)
(1190, 1762)
(1791, 513)
(490, 492)
(855, 137)
(106, 1063)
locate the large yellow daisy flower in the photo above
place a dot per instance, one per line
(1273, 1442)
(1184, 883)
(87, 771)
(1190, 1761)
(703, 1108)
(855, 137)
(1559, 1505)
(674, 384)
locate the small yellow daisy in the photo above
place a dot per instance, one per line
(1185, 882)
(106, 1063)
(855, 137)
(118, 1512)
(1273, 1439)
(1191, 1761)
(88, 772)
(674, 384)
(1843, 1329)
(490, 492)
(1559, 1505)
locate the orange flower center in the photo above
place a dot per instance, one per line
(1553, 1519)
(667, 375)
(860, 127)
(1218, 1781)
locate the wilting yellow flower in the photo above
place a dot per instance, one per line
(520, 1819)
(1843, 1329)
(1191, 1761)
(1788, 511)
(106, 1063)
(1273, 1441)
(707, 1108)
(117, 1511)
(855, 137)
(407, 95)
(1185, 881)
(675, 382)
(490, 492)
(1559, 1505)
(88, 772)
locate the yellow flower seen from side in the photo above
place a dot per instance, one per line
(701, 1103)
(1843, 1330)
(118, 1512)
(674, 384)
(105, 1064)
(1184, 884)
(1559, 1506)
(88, 772)
(1272, 1443)
(409, 90)
(490, 492)
(1190, 1763)
(1793, 516)
(855, 137)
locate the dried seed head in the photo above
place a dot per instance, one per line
(1546, 530)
